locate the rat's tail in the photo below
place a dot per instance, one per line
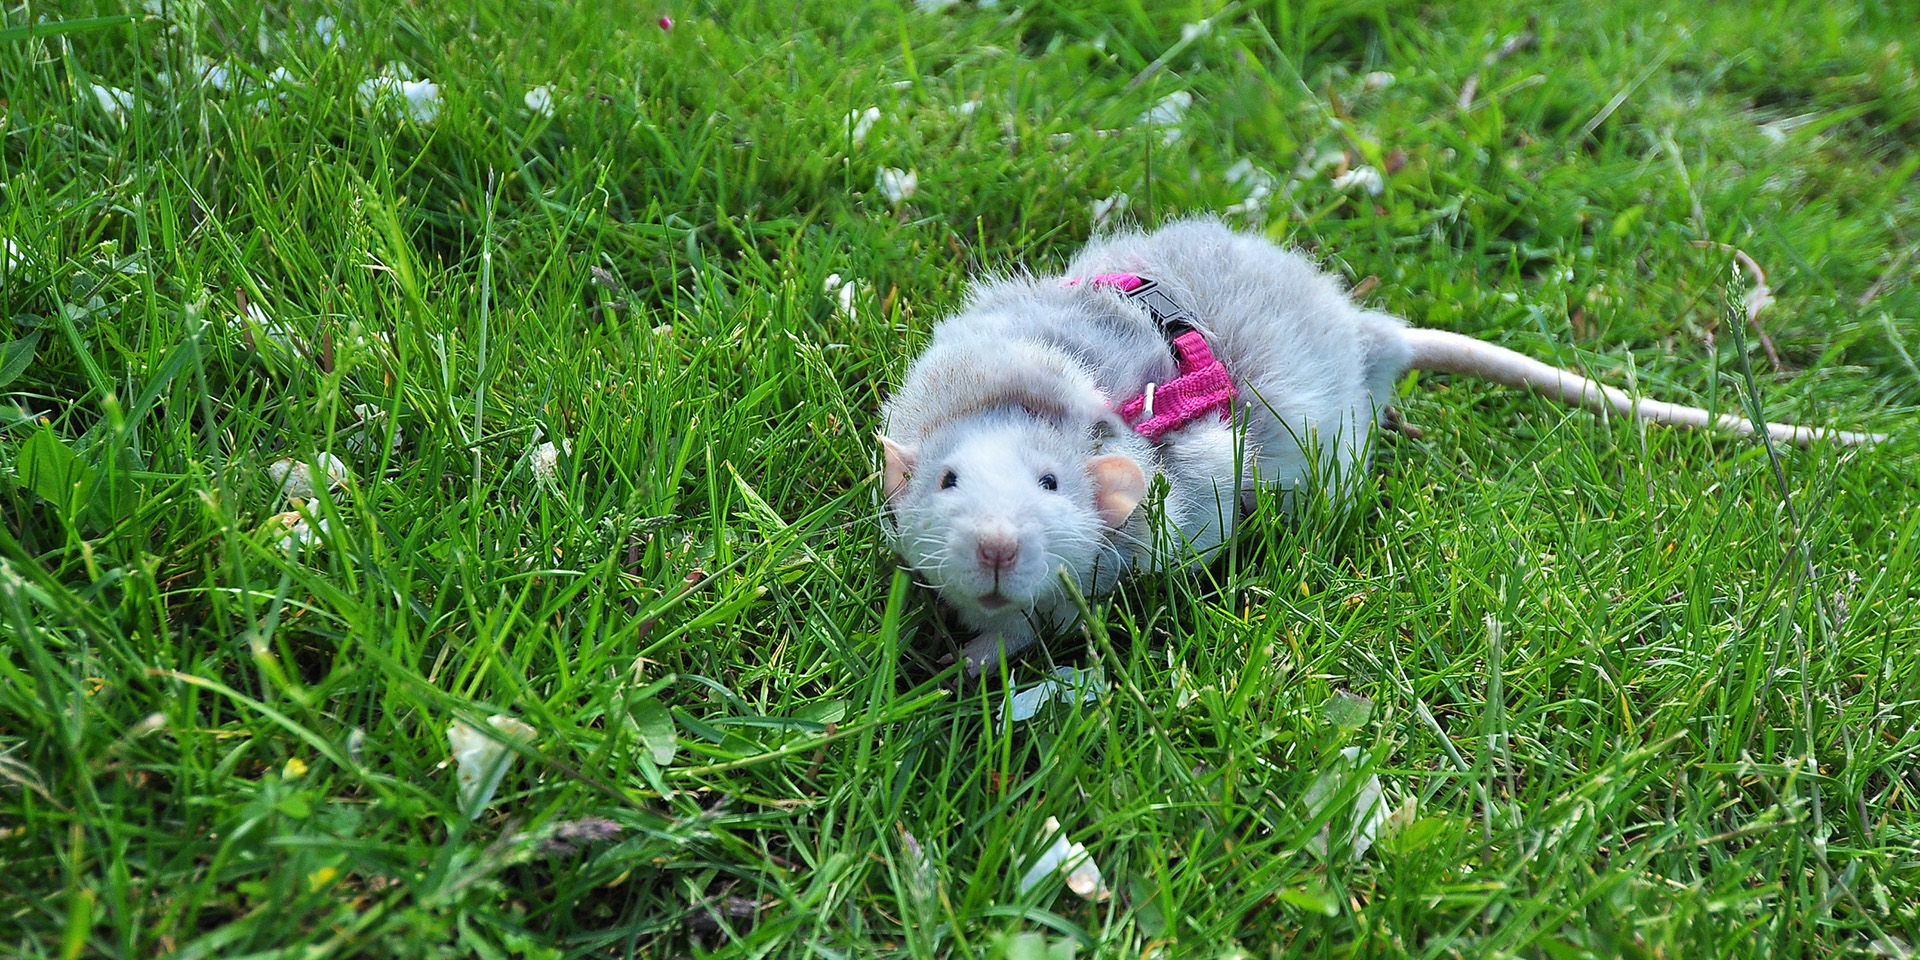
(1444, 352)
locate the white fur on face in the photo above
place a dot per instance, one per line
(997, 499)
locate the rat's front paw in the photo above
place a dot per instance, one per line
(981, 654)
(990, 649)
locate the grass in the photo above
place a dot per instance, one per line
(1640, 692)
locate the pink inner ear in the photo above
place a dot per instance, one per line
(1119, 486)
(899, 463)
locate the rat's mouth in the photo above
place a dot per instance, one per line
(994, 601)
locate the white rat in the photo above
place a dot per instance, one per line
(1014, 449)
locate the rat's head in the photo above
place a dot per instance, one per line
(989, 510)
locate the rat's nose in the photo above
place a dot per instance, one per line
(998, 552)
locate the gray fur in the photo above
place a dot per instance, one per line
(1308, 363)
(1023, 380)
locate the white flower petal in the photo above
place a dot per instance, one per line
(482, 761)
(1049, 859)
(1108, 208)
(1369, 809)
(373, 422)
(113, 101)
(277, 341)
(1169, 111)
(1084, 876)
(1259, 183)
(859, 122)
(298, 530)
(1377, 80)
(421, 98)
(1067, 685)
(1186, 688)
(540, 100)
(296, 478)
(1060, 855)
(545, 460)
(1026, 703)
(1365, 178)
(373, 89)
(897, 185)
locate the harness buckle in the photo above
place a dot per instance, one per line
(1172, 318)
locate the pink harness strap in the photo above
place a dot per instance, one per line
(1203, 386)
(1127, 282)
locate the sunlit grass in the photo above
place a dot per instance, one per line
(1634, 692)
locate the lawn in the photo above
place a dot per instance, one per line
(589, 310)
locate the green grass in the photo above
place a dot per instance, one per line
(1652, 694)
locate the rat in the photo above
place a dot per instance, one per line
(1182, 370)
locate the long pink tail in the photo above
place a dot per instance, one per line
(1444, 352)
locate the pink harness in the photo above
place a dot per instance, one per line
(1203, 386)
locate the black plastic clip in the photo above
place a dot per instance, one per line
(1172, 318)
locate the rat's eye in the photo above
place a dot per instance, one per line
(948, 479)
(1049, 482)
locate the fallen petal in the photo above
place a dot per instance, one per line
(540, 100)
(1168, 111)
(297, 530)
(1108, 208)
(1067, 685)
(1084, 878)
(423, 100)
(1369, 812)
(1083, 875)
(1049, 860)
(861, 121)
(483, 760)
(113, 101)
(1364, 178)
(897, 185)
(545, 460)
(373, 422)
(296, 478)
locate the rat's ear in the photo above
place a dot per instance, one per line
(1118, 485)
(899, 464)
